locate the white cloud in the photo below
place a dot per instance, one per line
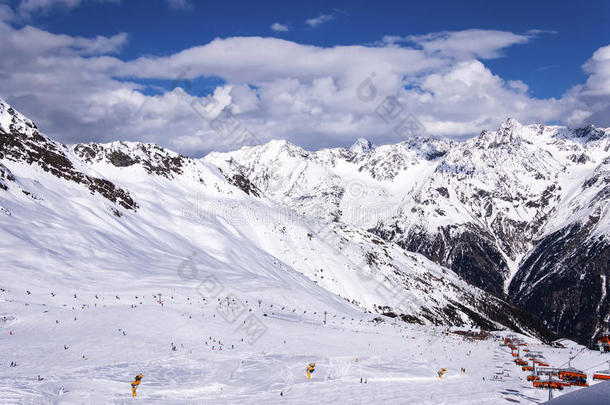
(79, 89)
(28, 7)
(467, 44)
(32, 6)
(257, 59)
(29, 42)
(598, 68)
(467, 97)
(319, 20)
(592, 97)
(180, 4)
(6, 13)
(277, 27)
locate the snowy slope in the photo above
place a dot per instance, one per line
(87, 349)
(154, 209)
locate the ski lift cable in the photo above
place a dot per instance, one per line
(597, 365)
(573, 357)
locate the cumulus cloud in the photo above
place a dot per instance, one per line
(80, 89)
(598, 68)
(592, 99)
(319, 20)
(277, 27)
(467, 97)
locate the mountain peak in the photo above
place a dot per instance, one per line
(362, 145)
(510, 123)
(590, 133)
(11, 121)
(510, 134)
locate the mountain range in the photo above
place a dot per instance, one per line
(508, 229)
(520, 212)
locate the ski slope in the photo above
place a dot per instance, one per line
(399, 362)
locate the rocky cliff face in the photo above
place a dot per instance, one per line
(20, 141)
(565, 276)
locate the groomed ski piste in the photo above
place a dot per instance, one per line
(78, 348)
(217, 297)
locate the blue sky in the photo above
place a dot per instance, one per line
(549, 65)
(536, 53)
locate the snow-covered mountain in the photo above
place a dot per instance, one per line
(521, 211)
(220, 285)
(138, 207)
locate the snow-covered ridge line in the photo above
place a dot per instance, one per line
(185, 205)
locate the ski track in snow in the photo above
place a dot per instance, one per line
(398, 361)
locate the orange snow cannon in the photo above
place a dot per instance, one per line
(310, 369)
(135, 384)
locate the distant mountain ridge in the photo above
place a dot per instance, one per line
(521, 211)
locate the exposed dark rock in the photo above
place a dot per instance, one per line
(411, 319)
(243, 183)
(565, 282)
(590, 133)
(469, 251)
(153, 158)
(5, 177)
(121, 159)
(443, 191)
(51, 157)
